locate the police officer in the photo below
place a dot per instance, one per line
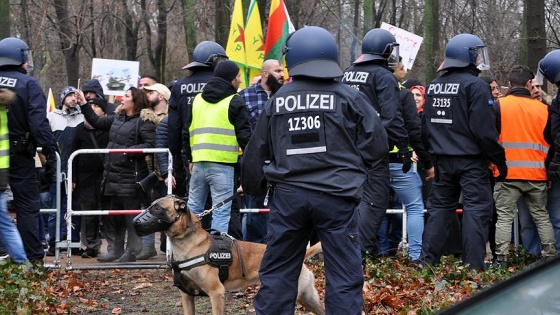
(319, 136)
(462, 138)
(372, 75)
(28, 128)
(549, 68)
(206, 56)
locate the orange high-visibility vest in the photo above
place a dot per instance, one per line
(523, 120)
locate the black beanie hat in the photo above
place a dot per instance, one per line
(101, 102)
(226, 70)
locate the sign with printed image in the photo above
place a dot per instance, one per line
(115, 76)
(409, 43)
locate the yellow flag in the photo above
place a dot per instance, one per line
(235, 48)
(254, 41)
(51, 104)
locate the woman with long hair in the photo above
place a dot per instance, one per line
(129, 128)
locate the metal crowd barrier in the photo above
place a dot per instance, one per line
(68, 244)
(403, 245)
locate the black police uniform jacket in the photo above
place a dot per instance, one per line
(123, 171)
(180, 105)
(27, 114)
(378, 83)
(315, 134)
(459, 117)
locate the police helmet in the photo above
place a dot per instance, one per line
(312, 52)
(379, 44)
(549, 67)
(464, 50)
(13, 51)
(207, 54)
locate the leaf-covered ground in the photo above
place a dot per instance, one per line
(393, 286)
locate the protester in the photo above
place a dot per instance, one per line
(128, 129)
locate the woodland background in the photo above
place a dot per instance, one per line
(66, 34)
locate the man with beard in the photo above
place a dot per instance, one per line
(158, 96)
(255, 96)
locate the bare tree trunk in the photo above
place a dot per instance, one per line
(224, 8)
(431, 38)
(535, 33)
(188, 26)
(355, 26)
(160, 51)
(5, 20)
(368, 16)
(70, 49)
(131, 32)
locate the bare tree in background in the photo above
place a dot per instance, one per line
(5, 20)
(534, 43)
(70, 43)
(431, 39)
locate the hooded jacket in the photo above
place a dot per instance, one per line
(93, 85)
(123, 171)
(216, 90)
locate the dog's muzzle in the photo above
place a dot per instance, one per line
(146, 223)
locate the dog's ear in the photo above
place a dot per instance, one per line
(180, 205)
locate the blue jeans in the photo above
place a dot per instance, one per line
(217, 179)
(9, 234)
(529, 235)
(553, 206)
(76, 220)
(255, 224)
(408, 189)
(528, 230)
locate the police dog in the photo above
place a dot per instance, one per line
(189, 239)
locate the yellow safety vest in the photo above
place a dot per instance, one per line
(212, 136)
(4, 139)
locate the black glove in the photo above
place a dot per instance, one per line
(406, 157)
(502, 168)
(50, 168)
(554, 170)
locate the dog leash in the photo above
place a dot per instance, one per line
(216, 206)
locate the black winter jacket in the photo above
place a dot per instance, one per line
(162, 142)
(86, 168)
(124, 170)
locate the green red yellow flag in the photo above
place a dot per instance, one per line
(235, 48)
(254, 41)
(279, 27)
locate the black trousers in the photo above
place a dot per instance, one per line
(453, 176)
(25, 187)
(373, 206)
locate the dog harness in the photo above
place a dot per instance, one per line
(219, 256)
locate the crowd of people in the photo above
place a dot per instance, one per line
(328, 153)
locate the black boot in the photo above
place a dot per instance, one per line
(127, 257)
(108, 257)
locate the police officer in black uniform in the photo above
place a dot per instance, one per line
(205, 56)
(549, 67)
(313, 143)
(372, 75)
(28, 127)
(462, 138)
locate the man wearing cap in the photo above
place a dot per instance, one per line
(218, 128)
(88, 172)
(63, 122)
(158, 96)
